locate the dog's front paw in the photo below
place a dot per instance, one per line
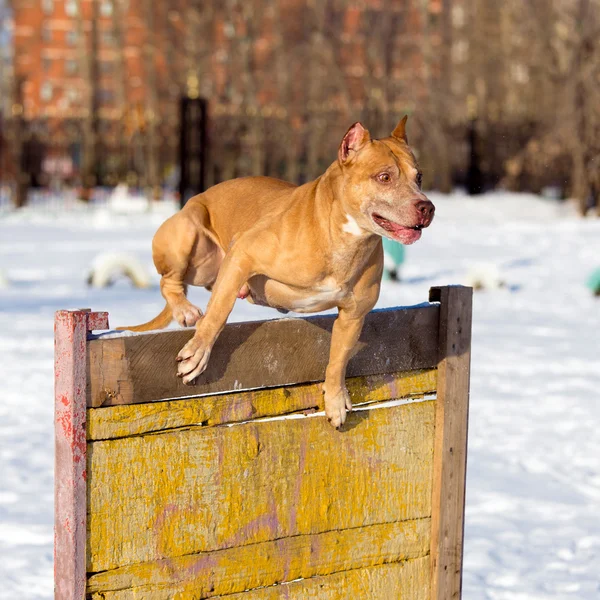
(337, 405)
(186, 314)
(192, 359)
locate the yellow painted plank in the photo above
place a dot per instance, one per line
(407, 580)
(136, 419)
(187, 491)
(397, 581)
(257, 565)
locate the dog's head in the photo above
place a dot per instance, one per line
(382, 185)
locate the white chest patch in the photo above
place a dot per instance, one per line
(328, 293)
(351, 226)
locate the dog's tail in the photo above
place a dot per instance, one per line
(159, 322)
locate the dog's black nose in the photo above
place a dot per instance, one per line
(426, 210)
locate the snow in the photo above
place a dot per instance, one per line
(533, 486)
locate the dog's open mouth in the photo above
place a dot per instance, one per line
(390, 225)
(401, 233)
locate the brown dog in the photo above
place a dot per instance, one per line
(305, 249)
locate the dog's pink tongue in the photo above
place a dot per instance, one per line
(405, 235)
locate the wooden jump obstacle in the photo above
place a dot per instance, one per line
(244, 491)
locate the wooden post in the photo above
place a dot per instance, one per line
(450, 444)
(70, 334)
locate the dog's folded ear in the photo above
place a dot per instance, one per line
(356, 137)
(400, 132)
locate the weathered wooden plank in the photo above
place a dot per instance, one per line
(136, 419)
(257, 565)
(396, 581)
(406, 580)
(70, 331)
(187, 491)
(142, 368)
(450, 452)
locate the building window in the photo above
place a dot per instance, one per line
(48, 6)
(108, 38)
(460, 51)
(170, 55)
(458, 16)
(106, 96)
(46, 64)
(71, 66)
(71, 7)
(46, 91)
(106, 8)
(519, 72)
(46, 33)
(71, 37)
(72, 95)
(106, 67)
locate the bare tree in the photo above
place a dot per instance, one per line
(87, 49)
(564, 49)
(436, 111)
(152, 115)
(118, 17)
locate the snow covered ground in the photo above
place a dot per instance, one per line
(533, 489)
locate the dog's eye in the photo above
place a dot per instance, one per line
(419, 179)
(384, 177)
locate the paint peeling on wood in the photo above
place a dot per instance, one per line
(408, 580)
(257, 565)
(176, 493)
(70, 334)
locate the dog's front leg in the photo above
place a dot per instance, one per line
(233, 274)
(345, 334)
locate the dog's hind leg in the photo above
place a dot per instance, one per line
(171, 250)
(186, 253)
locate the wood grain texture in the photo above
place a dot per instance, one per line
(257, 565)
(142, 368)
(204, 489)
(450, 452)
(396, 581)
(407, 580)
(136, 419)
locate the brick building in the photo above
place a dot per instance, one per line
(6, 59)
(101, 79)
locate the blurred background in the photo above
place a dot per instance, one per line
(113, 112)
(171, 97)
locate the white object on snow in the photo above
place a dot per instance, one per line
(122, 201)
(108, 266)
(484, 276)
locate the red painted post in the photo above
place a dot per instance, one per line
(70, 379)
